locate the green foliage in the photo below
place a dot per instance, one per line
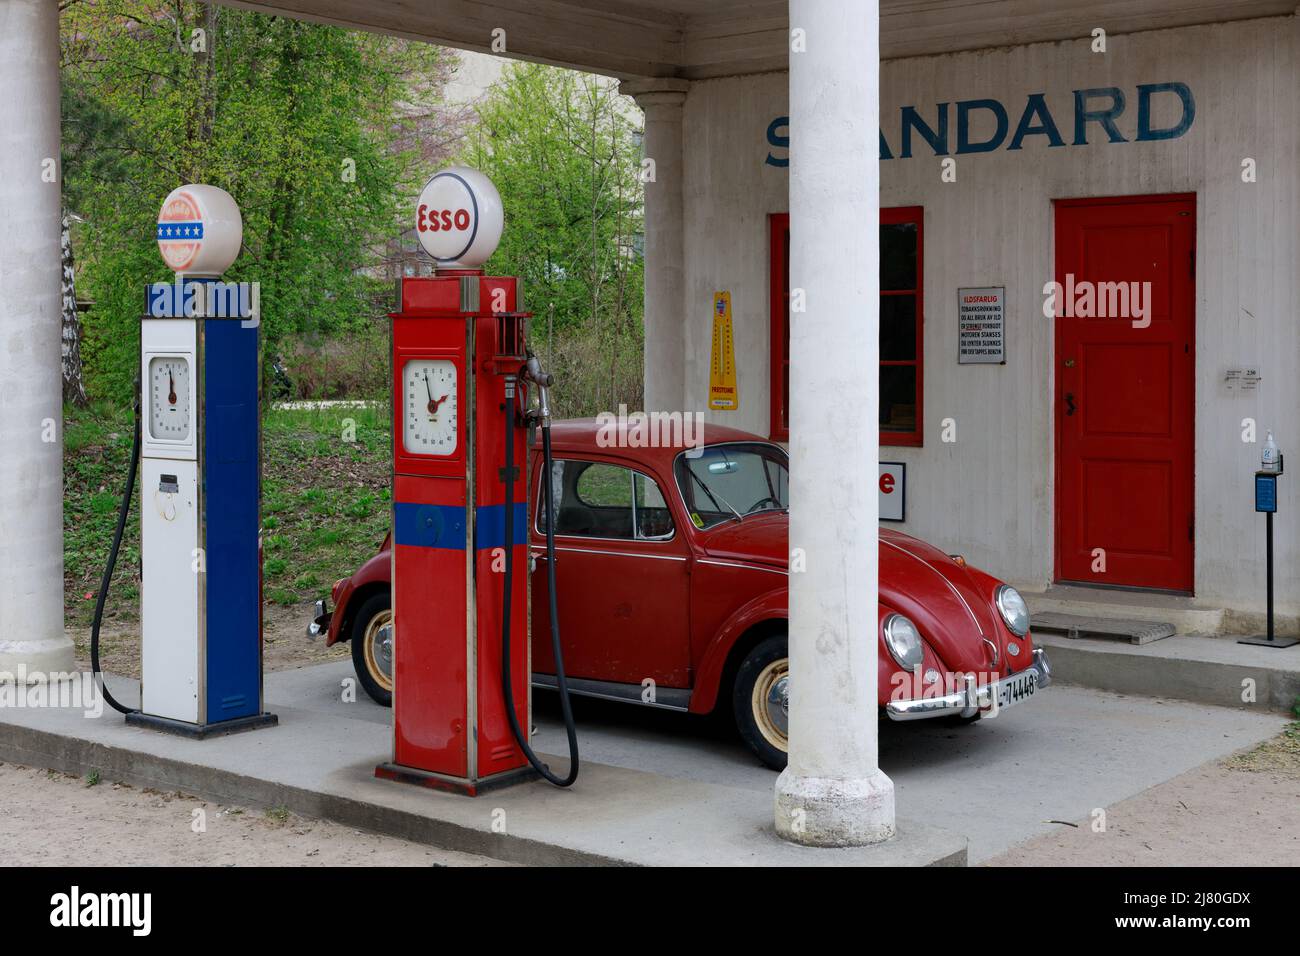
(276, 111)
(325, 505)
(564, 151)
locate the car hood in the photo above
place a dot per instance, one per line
(760, 538)
(940, 596)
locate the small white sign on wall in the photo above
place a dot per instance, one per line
(893, 491)
(981, 326)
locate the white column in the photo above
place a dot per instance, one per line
(833, 792)
(31, 382)
(665, 312)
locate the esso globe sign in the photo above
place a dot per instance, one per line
(199, 230)
(459, 217)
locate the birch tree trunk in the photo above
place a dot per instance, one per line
(74, 386)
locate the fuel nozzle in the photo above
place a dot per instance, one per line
(543, 380)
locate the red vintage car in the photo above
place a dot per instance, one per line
(671, 577)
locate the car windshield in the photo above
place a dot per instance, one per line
(732, 481)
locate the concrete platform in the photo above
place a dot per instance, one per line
(663, 787)
(1207, 670)
(320, 763)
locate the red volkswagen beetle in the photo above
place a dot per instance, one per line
(671, 577)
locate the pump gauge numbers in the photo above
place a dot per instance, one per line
(429, 390)
(169, 398)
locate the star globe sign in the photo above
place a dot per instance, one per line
(199, 234)
(459, 218)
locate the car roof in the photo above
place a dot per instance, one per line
(587, 434)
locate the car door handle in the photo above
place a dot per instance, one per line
(1069, 403)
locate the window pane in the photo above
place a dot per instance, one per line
(785, 286)
(731, 480)
(898, 328)
(653, 519)
(898, 256)
(597, 504)
(898, 398)
(785, 395)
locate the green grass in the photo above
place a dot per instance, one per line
(325, 503)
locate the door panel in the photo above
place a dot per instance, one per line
(623, 602)
(1125, 395)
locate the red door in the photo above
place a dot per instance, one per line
(1125, 391)
(622, 575)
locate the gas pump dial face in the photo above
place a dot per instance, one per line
(169, 398)
(429, 387)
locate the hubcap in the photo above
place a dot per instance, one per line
(379, 649)
(771, 703)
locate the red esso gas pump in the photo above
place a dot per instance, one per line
(461, 371)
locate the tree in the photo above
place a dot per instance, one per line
(297, 121)
(564, 151)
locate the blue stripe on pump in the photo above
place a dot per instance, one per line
(490, 526)
(429, 526)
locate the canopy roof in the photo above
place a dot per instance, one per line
(696, 39)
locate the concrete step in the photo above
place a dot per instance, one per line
(1184, 613)
(1205, 670)
(1078, 625)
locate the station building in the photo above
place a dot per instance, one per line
(1114, 445)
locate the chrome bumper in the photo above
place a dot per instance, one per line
(320, 623)
(964, 703)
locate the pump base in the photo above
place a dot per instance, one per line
(1265, 642)
(438, 781)
(201, 731)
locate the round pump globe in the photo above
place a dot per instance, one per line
(199, 230)
(459, 217)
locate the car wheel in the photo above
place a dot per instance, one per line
(760, 699)
(372, 648)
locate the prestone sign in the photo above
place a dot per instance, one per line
(981, 326)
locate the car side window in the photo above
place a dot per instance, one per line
(600, 500)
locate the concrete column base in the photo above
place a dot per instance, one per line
(29, 662)
(820, 811)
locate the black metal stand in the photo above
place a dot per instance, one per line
(201, 731)
(1270, 640)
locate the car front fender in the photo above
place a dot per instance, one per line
(772, 606)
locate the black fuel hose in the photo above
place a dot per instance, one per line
(560, 682)
(127, 494)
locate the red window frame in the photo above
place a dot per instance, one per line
(779, 304)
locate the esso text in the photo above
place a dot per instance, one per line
(441, 220)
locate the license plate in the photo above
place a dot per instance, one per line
(1017, 689)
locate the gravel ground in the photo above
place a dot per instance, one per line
(52, 819)
(1240, 811)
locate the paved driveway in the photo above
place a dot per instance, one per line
(998, 781)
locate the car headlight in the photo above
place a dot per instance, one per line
(904, 642)
(1013, 609)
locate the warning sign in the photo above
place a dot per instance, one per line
(981, 326)
(723, 395)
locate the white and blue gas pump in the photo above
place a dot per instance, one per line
(197, 445)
